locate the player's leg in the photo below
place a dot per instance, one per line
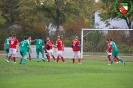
(21, 59)
(111, 60)
(109, 56)
(58, 56)
(10, 54)
(42, 51)
(62, 58)
(78, 55)
(74, 57)
(14, 55)
(37, 53)
(51, 53)
(7, 52)
(120, 59)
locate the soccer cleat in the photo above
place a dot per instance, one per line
(14, 62)
(124, 63)
(43, 60)
(37, 61)
(7, 61)
(64, 62)
(79, 63)
(109, 64)
(117, 62)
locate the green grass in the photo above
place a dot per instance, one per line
(89, 74)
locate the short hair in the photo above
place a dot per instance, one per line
(108, 39)
(10, 35)
(14, 35)
(25, 37)
(111, 39)
(40, 37)
(76, 37)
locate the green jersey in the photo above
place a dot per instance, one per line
(24, 45)
(114, 46)
(7, 43)
(39, 43)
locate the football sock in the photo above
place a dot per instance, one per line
(37, 57)
(57, 59)
(121, 60)
(73, 60)
(29, 56)
(115, 59)
(6, 56)
(43, 56)
(79, 60)
(111, 62)
(109, 58)
(48, 57)
(14, 58)
(63, 59)
(9, 57)
(21, 60)
(25, 60)
(53, 57)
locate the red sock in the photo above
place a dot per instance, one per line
(9, 57)
(53, 57)
(73, 60)
(115, 59)
(79, 60)
(14, 58)
(57, 59)
(62, 58)
(109, 58)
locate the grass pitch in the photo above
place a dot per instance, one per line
(91, 73)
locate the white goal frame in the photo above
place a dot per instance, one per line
(85, 29)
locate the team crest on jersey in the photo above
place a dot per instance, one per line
(123, 8)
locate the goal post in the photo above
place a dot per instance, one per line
(83, 35)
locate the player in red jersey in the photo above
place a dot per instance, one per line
(48, 47)
(76, 49)
(60, 47)
(13, 48)
(109, 51)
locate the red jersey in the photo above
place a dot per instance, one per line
(59, 44)
(49, 44)
(109, 47)
(75, 44)
(13, 42)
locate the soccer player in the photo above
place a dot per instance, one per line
(115, 52)
(13, 48)
(28, 49)
(39, 44)
(6, 45)
(109, 51)
(76, 50)
(24, 45)
(48, 47)
(60, 47)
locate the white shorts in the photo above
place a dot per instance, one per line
(109, 53)
(12, 51)
(50, 51)
(76, 53)
(59, 52)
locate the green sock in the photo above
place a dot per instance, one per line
(6, 56)
(121, 60)
(29, 56)
(21, 60)
(25, 60)
(37, 57)
(43, 56)
(111, 62)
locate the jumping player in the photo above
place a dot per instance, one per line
(109, 51)
(115, 52)
(60, 47)
(76, 49)
(13, 48)
(6, 45)
(24, 45)
(48, 47)
(39, 44)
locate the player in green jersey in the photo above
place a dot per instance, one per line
(28, 50)
(39, 48)
(6, 46)
(115, 52)
(24, 45)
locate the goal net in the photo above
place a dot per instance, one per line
(93, 41)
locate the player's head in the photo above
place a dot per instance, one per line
(76, 37)
(14, 36)
(107, 40)
(10, 35)
(58, 37)
(110, 39)
(40, 37)
(29, 37)
(25, 37)
(47, 38)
